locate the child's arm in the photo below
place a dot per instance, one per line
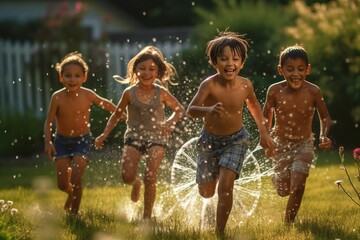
(254, 107)
(269, 108)
(178, 111)
(49, 146)
(106, 104)
(196, 108)
(325, 121)
(114, 119)
(268, 112)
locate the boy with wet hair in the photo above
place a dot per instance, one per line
(292, 103)
(224, 139)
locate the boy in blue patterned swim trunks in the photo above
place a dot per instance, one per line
(224, 140)
(215, 151)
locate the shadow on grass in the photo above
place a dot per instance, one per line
(78, 227)
(326, 230)
(94, 223)
(81, 227)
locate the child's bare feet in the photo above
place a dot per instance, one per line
(135, 192)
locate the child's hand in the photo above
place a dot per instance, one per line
(325, 143)
(217, 110)
(168, 129)
(269, 152)
(99, 141)
(268, 144)
(123, 117)
(50, 150)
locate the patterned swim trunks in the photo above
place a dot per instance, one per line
(293, 156)
(215, 151)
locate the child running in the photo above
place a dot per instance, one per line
(147, 127)
(224, 139)
(293, 102)
(70, 107)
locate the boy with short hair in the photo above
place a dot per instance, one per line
(224, 140)
(293, 102)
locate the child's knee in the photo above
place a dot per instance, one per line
(64, 186)
(283, 192)
(128, 179)
(206, 191)
(282, 187)
(206, 194)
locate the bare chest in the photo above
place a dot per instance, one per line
(232, 99)
(295, 105)
(74, 107)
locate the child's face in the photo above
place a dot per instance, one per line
(73, 77)
(294, 72)
(229, 64)
(147, 72)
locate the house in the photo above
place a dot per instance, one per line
(27, 75)
(100, 17)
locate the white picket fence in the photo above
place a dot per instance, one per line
(28, 77)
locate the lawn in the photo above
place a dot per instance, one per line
(108, 214)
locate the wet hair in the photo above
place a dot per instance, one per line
(72, 58)
(293, 52)
(167, 71)
(237, 43)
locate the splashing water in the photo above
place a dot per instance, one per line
(182, 195)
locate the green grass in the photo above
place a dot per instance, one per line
(326, 212)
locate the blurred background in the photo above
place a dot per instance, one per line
(35, 35)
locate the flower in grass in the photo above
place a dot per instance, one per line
(338, 182)
(4, 207)
(2, 201)
(356, 153)
(14, 211)
(341, 149)
(10, 203)
(341, 154)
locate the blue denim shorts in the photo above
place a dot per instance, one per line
(70, 146)
(215, 151)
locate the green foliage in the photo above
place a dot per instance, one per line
(21, 135)
(330, 33)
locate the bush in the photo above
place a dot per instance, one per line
(263, 29)
(330, 33)
(21, 135)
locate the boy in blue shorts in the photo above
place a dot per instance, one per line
(224, 140)
(70, 108)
